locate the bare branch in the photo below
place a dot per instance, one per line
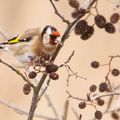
(51, 104)
(68, 60)
(75, 113)
(70, 96)
(65, 113)
(105, 95)
(17, 71)
(58, 14)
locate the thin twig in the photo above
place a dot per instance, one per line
(109, 103)
(44, 90)
(105, 95)
(65, 113)
(75, 113)
(76, 98)
(72, 74)
(17, 71)
(58, 14)
(68, 60)
(93, 98)
(51, 104)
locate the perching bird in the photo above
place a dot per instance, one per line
(32, 43)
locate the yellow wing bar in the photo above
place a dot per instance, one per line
(13, 40)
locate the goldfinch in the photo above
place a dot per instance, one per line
(32, 43)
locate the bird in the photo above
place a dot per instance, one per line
(32, 43)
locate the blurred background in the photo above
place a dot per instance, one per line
(17, 16)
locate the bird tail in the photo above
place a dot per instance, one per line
(10, 41)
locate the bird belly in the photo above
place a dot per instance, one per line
(26, 57)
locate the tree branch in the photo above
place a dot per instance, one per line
(17, 71)
(105, 95)
(58, 14)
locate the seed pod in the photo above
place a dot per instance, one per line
(75, 13)
(46, 57)
(54, 76)
(95, 64)
(115, 115)
(32, 74)
(93, 88)
(98, 114)
(109, 27)
(103, 87)
(26, 88)
(51, 68)
(100, 21)
(78, 12)
(74, 3)
(80, 27)
(115, 72)
(82, 105)
(114, 18)
(85, 36)
(100, 102)
(87, 32)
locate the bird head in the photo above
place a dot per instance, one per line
(50, 36)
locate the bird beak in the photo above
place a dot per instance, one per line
(58, 39)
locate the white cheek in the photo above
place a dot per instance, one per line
(46, 39)
(48, 31)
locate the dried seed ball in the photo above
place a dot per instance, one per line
(100, 102)
(50, 67)
(115, 115)
(80, 27)
(45, 56)
(102, 87)
(82, 105)
(110, 28)
(32, 74)
(100, 21)
(114, 18)
(75, 13)
(85, 36)
(26, 88)
(115, 72)
(93, 88)
(90, 30)
(74, 4)
(95, 64)
(87, 32)
(54, 76)
(98, 114)
(78, 12)
(82, 11)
